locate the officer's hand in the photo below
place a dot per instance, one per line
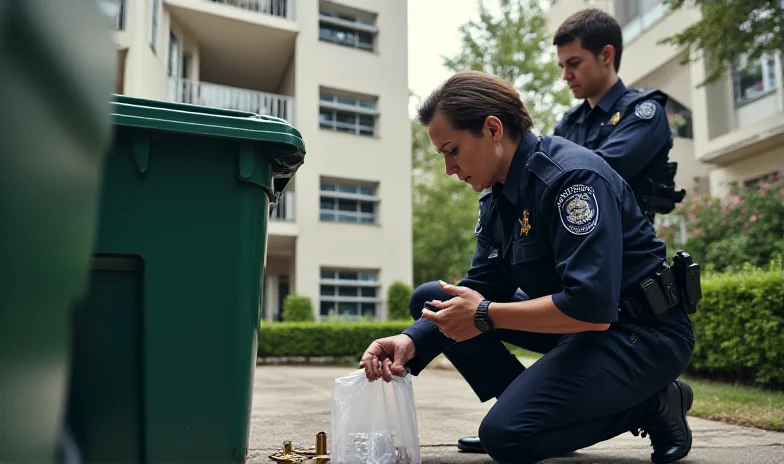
(455, 317)
(387, 356)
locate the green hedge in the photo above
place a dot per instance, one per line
(739, 326)
(323, 339)
(739, 329)
(297, 308)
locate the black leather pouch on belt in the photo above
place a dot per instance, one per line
(654, 297)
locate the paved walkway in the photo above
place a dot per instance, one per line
(293, 403)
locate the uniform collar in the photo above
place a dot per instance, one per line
(517, 177)
(606, 103)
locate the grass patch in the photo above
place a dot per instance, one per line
(522, 352)
(724, 401)
(737, 404)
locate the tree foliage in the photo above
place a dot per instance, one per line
(727, 30)
(511, 42)
(516, 46)
(445, 212)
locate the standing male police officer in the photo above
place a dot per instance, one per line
(607, 313)
(627, 127)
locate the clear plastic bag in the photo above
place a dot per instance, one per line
(374, 422)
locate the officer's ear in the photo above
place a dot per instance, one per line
(494, 127)
(607, 55)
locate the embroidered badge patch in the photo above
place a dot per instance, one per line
(578, 209)
(478, 227)
(645, 110)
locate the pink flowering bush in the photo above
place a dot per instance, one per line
(747, 226)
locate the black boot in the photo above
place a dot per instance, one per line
(668, 428)
(470, 445)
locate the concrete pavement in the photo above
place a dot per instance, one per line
(293, 403)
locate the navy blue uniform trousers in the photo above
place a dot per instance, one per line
(587, 388)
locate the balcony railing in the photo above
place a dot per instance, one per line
(231, 98)
(281, 8)
(284, 210)
(115, 10)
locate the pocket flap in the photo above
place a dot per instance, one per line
(529, 250)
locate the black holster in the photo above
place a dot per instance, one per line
(668, 289)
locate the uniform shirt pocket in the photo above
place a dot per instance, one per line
(524, 251)
(534, 268)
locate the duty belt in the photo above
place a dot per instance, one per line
(669, 289)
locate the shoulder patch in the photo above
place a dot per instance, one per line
(645, 110)
(578, 209)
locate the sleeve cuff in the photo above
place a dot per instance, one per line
(599, 314)
(429, 343)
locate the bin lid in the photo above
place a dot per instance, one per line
(217, 122)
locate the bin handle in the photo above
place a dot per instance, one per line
(141, 151)
(267, 190)
(246, 157)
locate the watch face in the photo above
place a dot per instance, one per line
(481, 325)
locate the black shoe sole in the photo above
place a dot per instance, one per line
(687, 400)
(470, 449)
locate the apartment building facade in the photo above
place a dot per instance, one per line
(337, 70)
(731, 130)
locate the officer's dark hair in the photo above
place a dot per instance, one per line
(595, 29)
(469, 97)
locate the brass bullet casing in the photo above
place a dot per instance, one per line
(287, 455)
(321, 444)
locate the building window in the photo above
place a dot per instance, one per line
(348, 202)
(349, 294)
(679, 118)
(343, 112)
(343, 26)
(754, 80)
(174, 55)
(115, 10)
(636, 16)
(154, 24)
(754, 183)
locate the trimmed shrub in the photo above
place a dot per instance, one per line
(746, 226)
(313, 339)
(398, 296)
(739, 330)
(297, 308)
(739, 326)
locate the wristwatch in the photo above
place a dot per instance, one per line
(482, 319)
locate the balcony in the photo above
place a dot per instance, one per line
(243, 43)
(284, 210)
(281, 8)
(231, 98)
(283, 228)
(115, 11)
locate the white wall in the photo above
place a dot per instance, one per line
(145, 69)
(745, 169)
(384, 159)
(643, 55)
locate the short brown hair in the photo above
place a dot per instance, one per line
(595, 29)
(469, 97)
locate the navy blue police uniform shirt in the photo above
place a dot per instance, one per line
(629, 129)
(564, 224)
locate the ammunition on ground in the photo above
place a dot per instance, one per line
(286, 455)
(321, 444)
(317, 455)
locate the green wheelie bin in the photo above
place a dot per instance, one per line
(57, 71)
(165, 341)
